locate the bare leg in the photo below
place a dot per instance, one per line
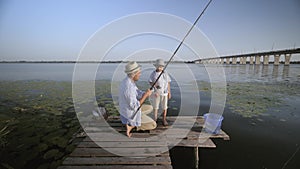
(165, 123)
(128, 130)
(155, 114)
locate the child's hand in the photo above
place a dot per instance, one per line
(156, 94)
(148, 93)
(169, 95)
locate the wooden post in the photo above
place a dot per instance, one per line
(196, 154)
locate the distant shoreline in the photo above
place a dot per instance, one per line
(88, 61)
(189, 62)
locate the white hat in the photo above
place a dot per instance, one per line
(132, 67)
(159, 62)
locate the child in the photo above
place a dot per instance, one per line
(162, 90)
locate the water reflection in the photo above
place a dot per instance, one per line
(285, 71)
(256, 69)
(275, 71)
(264, 73)
(242, 69)
(250, 68)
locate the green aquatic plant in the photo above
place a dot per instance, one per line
(252, 98)
(38, 121)
(3, 132)
(29, 111)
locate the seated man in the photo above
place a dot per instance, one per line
(130, 99)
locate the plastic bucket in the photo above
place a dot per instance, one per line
(212, 123)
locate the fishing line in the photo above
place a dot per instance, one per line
(165, 67)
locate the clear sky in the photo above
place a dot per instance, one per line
(58, 29)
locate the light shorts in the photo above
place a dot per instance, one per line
(161, 100)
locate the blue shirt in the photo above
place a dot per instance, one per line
(129, 96)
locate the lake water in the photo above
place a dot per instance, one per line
(64, 71)
(268, 139)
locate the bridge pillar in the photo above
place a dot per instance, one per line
(241, 60)
(266, 59)
(234, 60)
(287, 58)
(257, 60)
(213, 61)
(244, 60)
(219, 61)
(251, 60)
(227, 61)
(276, 59)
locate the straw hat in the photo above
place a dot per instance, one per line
(159, 62)
(132, 67)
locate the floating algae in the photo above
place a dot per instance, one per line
(38, 122)
(31, 110)
(253, 99)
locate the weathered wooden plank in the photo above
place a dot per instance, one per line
(99, 152)
(103, 129)
(116, 161)
(182, 133)
(118, 167)
(102, 124)
(207, 143)
(91, 152)
(222, 135)
(202, 143)
(151, 147)
(142, 135)
(184, 142)
(123, 138)
(136, 152)
(174, 133)
(90, 144)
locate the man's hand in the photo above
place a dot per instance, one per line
(148, 93)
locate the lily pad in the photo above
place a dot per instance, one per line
(51, 154)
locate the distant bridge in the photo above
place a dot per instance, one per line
(254, 58)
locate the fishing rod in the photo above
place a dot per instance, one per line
(165, 67)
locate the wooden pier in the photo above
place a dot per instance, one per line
(141, 151)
